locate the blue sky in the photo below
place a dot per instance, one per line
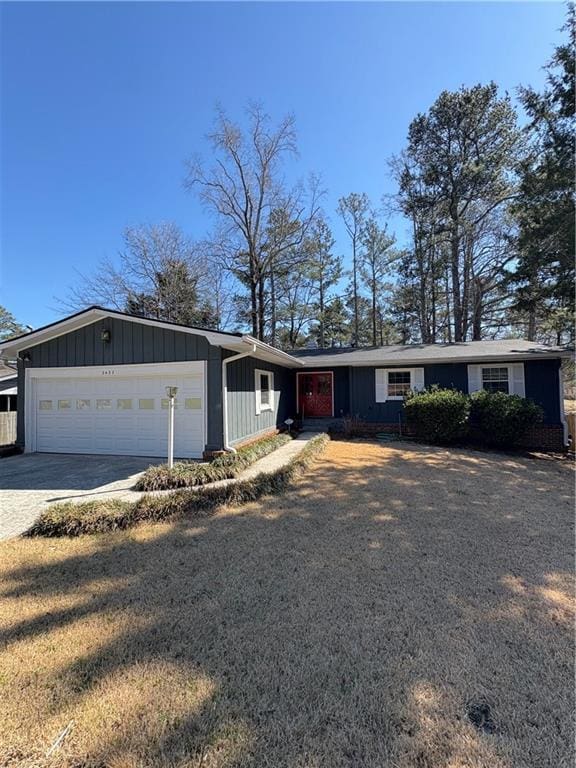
(101, 103)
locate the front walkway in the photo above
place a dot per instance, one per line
(29, 483)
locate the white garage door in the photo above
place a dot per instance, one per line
(115, 413)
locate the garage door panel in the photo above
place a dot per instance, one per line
(119, 415)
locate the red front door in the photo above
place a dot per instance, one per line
(315, 395)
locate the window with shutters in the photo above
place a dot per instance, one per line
(496, 379)
(395, 383)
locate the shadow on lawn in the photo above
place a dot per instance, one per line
(357, 621)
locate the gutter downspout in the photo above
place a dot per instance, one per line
(562, 411)
(225, 362)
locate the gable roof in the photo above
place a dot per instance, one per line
(6, 371)
(411, 354)
(236, 342)
(8, 380)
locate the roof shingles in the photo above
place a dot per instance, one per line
(399, 354)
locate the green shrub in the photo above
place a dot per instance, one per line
(113, 514)
(188, 474)
(438, 415)
(502, 420)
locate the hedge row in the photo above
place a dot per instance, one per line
(188, 474)
(491, 418)
(109, 515)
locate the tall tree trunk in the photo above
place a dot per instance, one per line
(532, 323)
(272, 306)
(477, 308)
(374, 326)
(321, 306)
(355, 289)
(422, 310)
(261, 318)
(532, 308)
(467, 287)
(433, 295)
(421, 283)
(455, 270)
(448, 308)
(254, 308)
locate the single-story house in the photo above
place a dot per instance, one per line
(96, 383)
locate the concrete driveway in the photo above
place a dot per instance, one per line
(29, 482)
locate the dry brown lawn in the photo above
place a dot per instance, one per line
(403, 606)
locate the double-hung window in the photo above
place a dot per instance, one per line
(496, 379)
(399, 383)
(395, 383)
(264, 387)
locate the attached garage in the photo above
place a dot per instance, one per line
(95, 383)
(118, 410)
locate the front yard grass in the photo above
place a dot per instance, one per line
(102, 515)
(403, 606)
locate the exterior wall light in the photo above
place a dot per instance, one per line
(105, 336)
(26, 357)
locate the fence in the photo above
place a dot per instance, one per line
(571, 419)
(7, 428)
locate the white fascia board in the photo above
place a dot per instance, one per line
(90, 316)
(57, 329)
(271, 354)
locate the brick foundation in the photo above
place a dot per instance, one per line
(208, 455)
(544, 437)
(354, 428)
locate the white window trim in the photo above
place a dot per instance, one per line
(509, 376)
(385, 371)
(516, 377)
(260, 406)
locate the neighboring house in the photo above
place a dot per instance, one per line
(8, 388)
(8, 404)
(96, 382)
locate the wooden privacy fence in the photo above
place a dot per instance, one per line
(571, 419)
(7, 428)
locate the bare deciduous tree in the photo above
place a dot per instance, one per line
(160, 273)
(259, 219)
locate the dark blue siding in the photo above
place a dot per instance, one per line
(363, 403)
(355, 389)
(447, 376)
(541, 378)
(130, 343)
(243, 421)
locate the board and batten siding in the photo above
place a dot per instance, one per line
(541, 379)
(542, 384)
(130, 343)
(363, 389)
(243, 421)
